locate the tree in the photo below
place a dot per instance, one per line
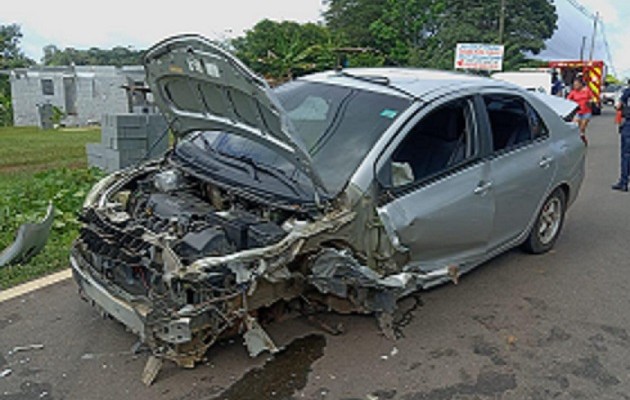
(283, 50)
(528, 23)
(405, 27)
(350, 20)
(425, 32)
(117, 56)
(11, 56)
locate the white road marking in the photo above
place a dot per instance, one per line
(37, 284)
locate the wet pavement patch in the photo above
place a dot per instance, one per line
(592, 369)
(280, 377)
(556, 335)
(489, 383)
(617, 333)
(30, 391)
(483, 348)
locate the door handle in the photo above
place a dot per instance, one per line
(482, 188)
(545, 162)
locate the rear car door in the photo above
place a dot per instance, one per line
(434, 182)
(521, 164)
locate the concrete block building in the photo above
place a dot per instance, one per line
(83, 93)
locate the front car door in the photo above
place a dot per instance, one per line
(521, 165)
(437, 204)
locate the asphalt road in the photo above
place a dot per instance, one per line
(520, 327)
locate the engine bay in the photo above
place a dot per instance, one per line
(201, 219)
(191, 217)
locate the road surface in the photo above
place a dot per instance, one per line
(520, 327)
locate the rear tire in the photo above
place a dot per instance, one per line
(548, 225)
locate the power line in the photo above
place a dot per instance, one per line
(610, 59)
(588, 14)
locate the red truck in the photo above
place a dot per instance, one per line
(592, 71)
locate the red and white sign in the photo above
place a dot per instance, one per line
(479, 56)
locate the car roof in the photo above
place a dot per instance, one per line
(412, 82)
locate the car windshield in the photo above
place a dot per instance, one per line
(337, 125)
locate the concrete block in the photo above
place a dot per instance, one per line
(94, 149)
(121, 143)
(119, 159)
(97, 161)
(95, 155)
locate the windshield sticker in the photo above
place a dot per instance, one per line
(212, 70)
(387, 113)
(195, 65)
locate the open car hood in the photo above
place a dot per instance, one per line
(201, 87)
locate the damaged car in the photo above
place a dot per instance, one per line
(343, 190)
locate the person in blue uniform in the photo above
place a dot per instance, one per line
(624, 129)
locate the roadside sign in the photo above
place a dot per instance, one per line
(479, 56)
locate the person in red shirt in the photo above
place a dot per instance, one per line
(583, 96)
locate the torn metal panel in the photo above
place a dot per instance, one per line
(256, 339)
(338, 273)
(31, 238)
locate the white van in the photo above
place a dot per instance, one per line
(538, 81)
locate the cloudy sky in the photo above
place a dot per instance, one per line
(72, 23)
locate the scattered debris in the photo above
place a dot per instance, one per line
(29, 241)
(151, 370)
(512, 340)
(18, 349)
(256, 339)
(332, 330)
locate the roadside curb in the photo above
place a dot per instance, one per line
(37, 284)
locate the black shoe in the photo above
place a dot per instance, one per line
(620, 187)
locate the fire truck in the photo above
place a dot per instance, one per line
(592, 72)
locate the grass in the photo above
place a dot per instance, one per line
(27, 150)
(37, 167)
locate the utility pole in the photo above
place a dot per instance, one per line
(502, 22)
(593, 36)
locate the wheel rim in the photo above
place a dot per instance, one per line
(550, 220)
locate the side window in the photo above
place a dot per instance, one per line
(441, 140)
(509, 121)
(536, 123)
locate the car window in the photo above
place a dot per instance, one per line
(513, 122)
(536, 123)
(441, 140)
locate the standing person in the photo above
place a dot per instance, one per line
(624, 129)
(556, 84)
(583, 96)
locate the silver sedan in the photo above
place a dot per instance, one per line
(343, 190)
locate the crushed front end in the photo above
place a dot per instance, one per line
(183, 263)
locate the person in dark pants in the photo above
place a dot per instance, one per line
(624, 105)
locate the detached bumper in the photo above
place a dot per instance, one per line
(124, 312)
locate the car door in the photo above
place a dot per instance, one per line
(521, 165)
(435, 182)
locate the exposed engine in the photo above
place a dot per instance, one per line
(193, 218)
(204, 220)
